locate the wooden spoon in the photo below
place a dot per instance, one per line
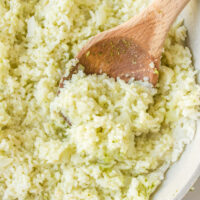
(132, 49)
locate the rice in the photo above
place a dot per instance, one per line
(119, 138)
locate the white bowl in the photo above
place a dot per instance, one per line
(183, 174)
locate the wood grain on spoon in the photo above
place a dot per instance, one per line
(132, 49)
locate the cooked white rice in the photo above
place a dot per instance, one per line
(122, 137)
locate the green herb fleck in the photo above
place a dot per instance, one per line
(88, 53)
(156, 71)
(133, 62)
(125, 42)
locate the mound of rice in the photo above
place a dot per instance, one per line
(119, 138)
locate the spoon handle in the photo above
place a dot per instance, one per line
(169, 8)
(152, 25)
(167, 12)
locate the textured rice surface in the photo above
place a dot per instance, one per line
(123, 137)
